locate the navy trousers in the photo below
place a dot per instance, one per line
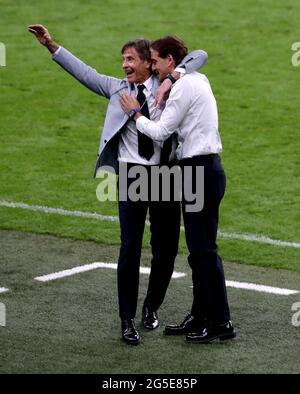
(209, 290)
(165, 228)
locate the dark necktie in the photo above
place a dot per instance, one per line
(145, 144)
(166, 151)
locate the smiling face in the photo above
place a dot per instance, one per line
(161, 66)
(136, 69)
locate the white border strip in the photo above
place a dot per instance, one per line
(146, 270)
(260, 288)
(60, 211)
(259, 238)
(92, 266)
(3, 289)
(57, 211)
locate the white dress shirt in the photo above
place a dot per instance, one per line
(128, 143)
(191, 110)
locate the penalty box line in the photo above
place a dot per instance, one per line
(146, 270)
(92, 266)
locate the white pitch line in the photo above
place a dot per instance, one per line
(259, 238)
(58, 211)
(92, 266)
(3, 289)
(260, 288)
(146, 270)
(92, 215)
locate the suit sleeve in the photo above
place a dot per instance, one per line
(194, 61)
(88, 76)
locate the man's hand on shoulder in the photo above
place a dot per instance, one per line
(43, 36)
(162, 93)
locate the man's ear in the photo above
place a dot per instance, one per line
(171, 59)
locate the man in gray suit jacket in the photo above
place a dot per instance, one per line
(121, 143)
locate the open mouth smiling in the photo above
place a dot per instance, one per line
(128, 71)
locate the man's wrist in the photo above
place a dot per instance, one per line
(52, 46)
(133, 112)
(172, 78)
(137, 115)
(176, 74)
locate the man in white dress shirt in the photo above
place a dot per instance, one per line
(191, 112)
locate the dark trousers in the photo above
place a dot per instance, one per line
(165, 228)
(209, 290)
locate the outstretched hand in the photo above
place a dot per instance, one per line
(43, 36)
(41, 33)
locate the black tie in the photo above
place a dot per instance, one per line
(145, 144)
(166, 151)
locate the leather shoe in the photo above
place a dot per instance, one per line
(149, 318)
(129, 332)
(210, 333)
(188, 325)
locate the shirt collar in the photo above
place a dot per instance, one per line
(148, 85)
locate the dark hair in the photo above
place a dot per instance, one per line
(141, 45)
(170, 45)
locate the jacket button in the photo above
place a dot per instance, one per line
(105, 141)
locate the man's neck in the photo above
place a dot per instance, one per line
(145, 79)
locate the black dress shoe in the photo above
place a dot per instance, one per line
(212, 332)
(129, 332)
(188, 325)
(149, 319)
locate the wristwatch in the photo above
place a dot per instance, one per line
(133, 112)
(171, 78)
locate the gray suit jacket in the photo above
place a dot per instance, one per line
(112, 88)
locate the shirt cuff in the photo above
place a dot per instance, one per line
(56, 52)
(141, 123)
(181, 71)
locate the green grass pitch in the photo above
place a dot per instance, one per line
(49, 133)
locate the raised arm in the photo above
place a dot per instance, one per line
(193, 61)
(101, 84)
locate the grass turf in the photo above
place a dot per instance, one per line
(50, 125)
(71, 325)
